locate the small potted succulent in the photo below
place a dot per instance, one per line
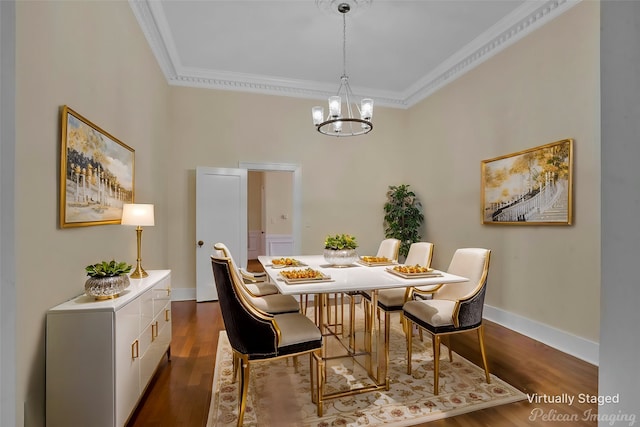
(340, 250)
(107, 279)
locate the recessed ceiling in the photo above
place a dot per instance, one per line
(398, 51)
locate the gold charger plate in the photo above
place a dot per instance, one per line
(366, 263)
(293, 263)
(320, 278)
(431, 273)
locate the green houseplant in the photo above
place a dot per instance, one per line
(107, 279)
(340, 250)
(402, 216)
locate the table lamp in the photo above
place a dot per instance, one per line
(139, 215)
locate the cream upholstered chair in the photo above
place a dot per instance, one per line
(256, 336)
(274, 303)
(388, 248)
(454, 308)
(255, 283)
(389, 300)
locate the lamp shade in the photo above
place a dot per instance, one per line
(137, 214)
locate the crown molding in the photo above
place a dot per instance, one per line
(523, 21)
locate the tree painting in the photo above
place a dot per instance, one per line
(532, 186)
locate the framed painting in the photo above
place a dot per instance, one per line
(96, 173)
(530, 187)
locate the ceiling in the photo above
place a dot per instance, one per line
(397, 51)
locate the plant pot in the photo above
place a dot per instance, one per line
(108, 287)
(340, 257)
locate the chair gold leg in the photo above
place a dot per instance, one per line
(483, 353)
(244, 387)
(436, 363)
(409, 344)
(236, 365)
(448, 344)
(320, 385)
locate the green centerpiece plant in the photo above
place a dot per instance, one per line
(403, 216)
(340, 250)
(340, 241)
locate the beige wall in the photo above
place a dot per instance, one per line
(543, 89)
(93, 57)
(343, 182)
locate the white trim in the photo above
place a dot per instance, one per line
(279, 245)
(183, 294)
(556, 338)
(8, 298)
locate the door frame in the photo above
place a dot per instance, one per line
(296, 170)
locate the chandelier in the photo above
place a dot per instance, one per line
(352, 119)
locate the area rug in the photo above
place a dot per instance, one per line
(278, 396)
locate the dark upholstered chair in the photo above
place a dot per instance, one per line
(454, 308)
(256, 336)
(275, 303)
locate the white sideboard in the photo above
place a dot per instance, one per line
(101, 355)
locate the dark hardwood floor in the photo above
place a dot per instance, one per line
(180, 393)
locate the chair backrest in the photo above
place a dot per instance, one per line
(420, 253)
(250, 331)
(472, 263)
(389, 248)
(221, 250)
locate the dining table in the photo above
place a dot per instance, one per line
(372, 355)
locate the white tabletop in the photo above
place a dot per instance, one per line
(347, 279)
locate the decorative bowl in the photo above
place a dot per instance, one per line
(340, 257)
(107, 287)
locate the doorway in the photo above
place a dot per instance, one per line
(274, 208)
(269, 213)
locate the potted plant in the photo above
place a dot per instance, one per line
(340, 250)
(107, 279)
(402, 216)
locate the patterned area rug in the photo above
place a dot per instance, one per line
(278, 396)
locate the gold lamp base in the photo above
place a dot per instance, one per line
(139, 272)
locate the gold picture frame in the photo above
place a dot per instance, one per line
(96, 173)
(530, 187)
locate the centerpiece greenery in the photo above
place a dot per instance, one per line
(340, 241)
(108, 269)
(340, 250)
(107, 279)
(402, 216)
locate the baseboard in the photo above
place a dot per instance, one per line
(183, 294)
(560, 340)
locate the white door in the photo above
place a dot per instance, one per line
(221, 216)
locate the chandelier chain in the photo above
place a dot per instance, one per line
(344, 44)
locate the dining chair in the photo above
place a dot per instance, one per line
(273, 303)
(454, 307)
(256, 336)
(388, 248)
(255, 282)
(392, 300)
